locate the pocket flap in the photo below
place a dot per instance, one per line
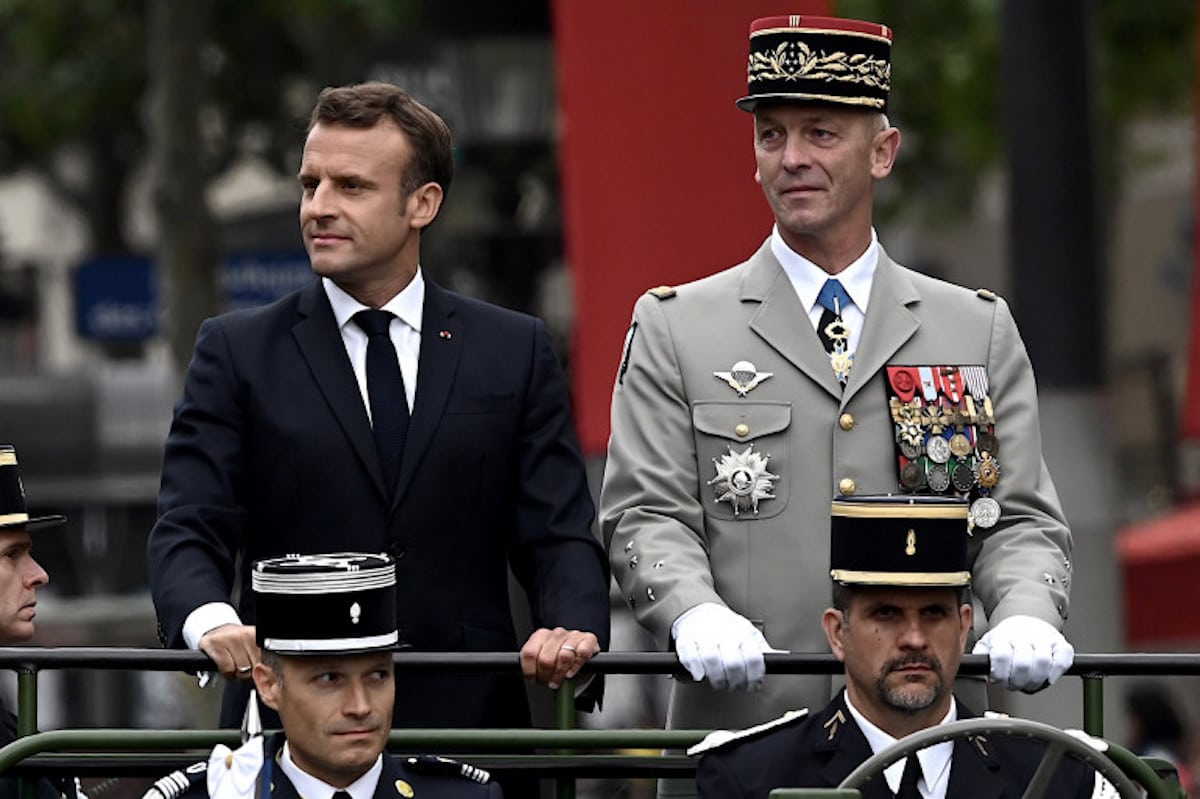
(723, 419)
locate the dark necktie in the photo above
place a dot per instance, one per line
(908, 782)
(342, 794)
(385, 390)
(833, 332)
(832, 290)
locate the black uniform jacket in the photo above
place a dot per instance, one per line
(271, 452)
(398, 781)
(821, 750)
(56, 788)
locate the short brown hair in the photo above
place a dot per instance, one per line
(363, 105)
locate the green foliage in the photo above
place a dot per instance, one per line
(946, 83)
(72, 69)
(75, 79)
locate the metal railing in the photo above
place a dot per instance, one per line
(564, 764)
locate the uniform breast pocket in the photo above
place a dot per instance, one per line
(742, 452)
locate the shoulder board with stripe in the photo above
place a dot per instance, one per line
(720, 738)
(986, 294)
(662, 292)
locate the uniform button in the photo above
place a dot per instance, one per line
(846, 486)
(742, 430)
(396, 550)
(846, 421)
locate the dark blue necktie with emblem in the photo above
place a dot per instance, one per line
(385, 391)
(832, 331)
(832, 290)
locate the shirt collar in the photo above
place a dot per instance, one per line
(309, 786)
(408, 305)
(935, 760)
(808, 278)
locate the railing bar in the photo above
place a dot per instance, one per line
(1142, 663)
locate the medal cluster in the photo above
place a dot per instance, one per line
(945, 434)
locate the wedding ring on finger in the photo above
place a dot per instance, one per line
(567, 647)
(245, 669)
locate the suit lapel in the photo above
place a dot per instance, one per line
(889, 323)
(971, 774)
(782, 322)
(321, 345)
(281, 786)
(441, 347)
(845, 746)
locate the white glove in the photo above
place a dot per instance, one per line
(1026, 653)
(716, 644)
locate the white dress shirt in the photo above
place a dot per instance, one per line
(310, 787)
(935, 760)
(807, 279)
(405, 331)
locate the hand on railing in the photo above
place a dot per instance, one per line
(551, 656)
(233, 649)
(716, 644)
(1026, 653)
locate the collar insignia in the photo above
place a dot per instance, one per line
(834, 724)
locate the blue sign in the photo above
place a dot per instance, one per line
(117, 299)
(251, 279)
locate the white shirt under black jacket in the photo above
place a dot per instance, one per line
(405, 331)
(936, 760)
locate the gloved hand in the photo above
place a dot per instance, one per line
(1027, 654)
(716, 644)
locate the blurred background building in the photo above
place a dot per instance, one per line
(147, 161)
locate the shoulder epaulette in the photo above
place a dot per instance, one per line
(720, 738)
(662, 292)
(986, 294)
(445, 767)
(177, 782)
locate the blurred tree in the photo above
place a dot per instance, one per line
(228, 76)
(946, 93)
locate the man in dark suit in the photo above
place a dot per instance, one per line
(900, 619)
(327, 629)
(297, 433)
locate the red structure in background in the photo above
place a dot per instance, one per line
(1160, 558)
(656, 162)
(1160, 562)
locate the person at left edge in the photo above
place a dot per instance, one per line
(327, 630)
(20, 578)
(271, 450)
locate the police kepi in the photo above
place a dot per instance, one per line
(326, 626)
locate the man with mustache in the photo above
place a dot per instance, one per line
(899, 622)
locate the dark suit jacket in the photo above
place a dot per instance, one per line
(821, 750)
(397, 780)
(271, 452)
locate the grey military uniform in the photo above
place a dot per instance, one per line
(674, 545)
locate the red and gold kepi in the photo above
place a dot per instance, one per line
(13, 513)
(804, 58)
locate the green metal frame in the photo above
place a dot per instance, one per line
(563, 741)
